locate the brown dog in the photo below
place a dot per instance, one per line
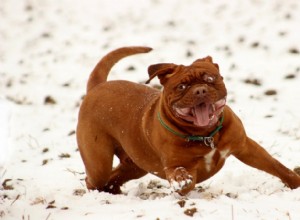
(182, 134)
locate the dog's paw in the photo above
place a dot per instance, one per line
(181, 180)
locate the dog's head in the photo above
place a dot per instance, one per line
(196, 94)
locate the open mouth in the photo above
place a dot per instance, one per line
(204, 114)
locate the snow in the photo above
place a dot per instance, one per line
(5, 148)
(47, 50)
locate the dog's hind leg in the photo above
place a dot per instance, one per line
(97, 176)
(97, 154)
(125, 171)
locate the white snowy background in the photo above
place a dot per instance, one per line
(47, 50)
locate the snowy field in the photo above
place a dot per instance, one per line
(47, 50)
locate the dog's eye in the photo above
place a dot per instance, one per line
(208, 78)
(181, 87)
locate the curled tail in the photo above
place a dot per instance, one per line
(102, 69)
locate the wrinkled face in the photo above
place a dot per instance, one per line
(195, 94)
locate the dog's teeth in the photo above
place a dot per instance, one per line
(193, 112)
(214, 107)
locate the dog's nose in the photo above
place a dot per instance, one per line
(200, 91)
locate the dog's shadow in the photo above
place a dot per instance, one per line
(151, 188)
(157, 189)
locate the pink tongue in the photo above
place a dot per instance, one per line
(201, 115)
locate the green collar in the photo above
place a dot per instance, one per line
(208, 140)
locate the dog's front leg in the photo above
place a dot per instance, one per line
(181, 180)
(254, 155)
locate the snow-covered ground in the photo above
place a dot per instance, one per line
(47, 50)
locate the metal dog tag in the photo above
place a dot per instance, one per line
(209, 141)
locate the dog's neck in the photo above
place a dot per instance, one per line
(207, 140)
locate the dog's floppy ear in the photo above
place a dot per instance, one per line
(162, 70)
(206, 59)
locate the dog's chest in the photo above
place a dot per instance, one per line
(214, 158)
